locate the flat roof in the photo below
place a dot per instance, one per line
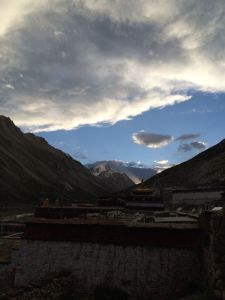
(111, 222)
(144, 204)
(174, 220)
(200, 190)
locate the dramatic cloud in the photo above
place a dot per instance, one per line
(63, 61)
(185, 137)
(193, 145)
(151, 140)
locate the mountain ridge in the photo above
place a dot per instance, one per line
(116, 181)
(31, 168)
(206, 168)
(136, 174)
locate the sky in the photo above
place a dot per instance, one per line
(137, 81)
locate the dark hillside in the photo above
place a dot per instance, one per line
(31, 168)
(207, 168)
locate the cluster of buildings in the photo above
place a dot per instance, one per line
(140, 204)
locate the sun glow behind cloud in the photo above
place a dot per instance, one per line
(64, 64)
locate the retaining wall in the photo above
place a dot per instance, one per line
(213, 247)
(160, 263)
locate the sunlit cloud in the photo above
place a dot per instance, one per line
(162, 162)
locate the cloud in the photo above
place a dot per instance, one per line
(199, 145)
(11, 12)
(161, 162)
(135, 164)
(194, 145)
(186, 147)
(201, 110)
(62, 61)
(132, 164)
(80, 155)
(185, 137)
(162, 165)
(151, 140)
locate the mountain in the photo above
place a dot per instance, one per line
(134, 172)
(207, 168)
(115, 181)
(30, 168)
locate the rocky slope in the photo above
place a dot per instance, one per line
(136, 174)
(113, 180)
(207, 168)
(30, 168)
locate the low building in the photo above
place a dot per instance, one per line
(192, 197)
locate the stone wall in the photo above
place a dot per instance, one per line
(142, 272)
(214, 250)
(7, 273)
(56, 288)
